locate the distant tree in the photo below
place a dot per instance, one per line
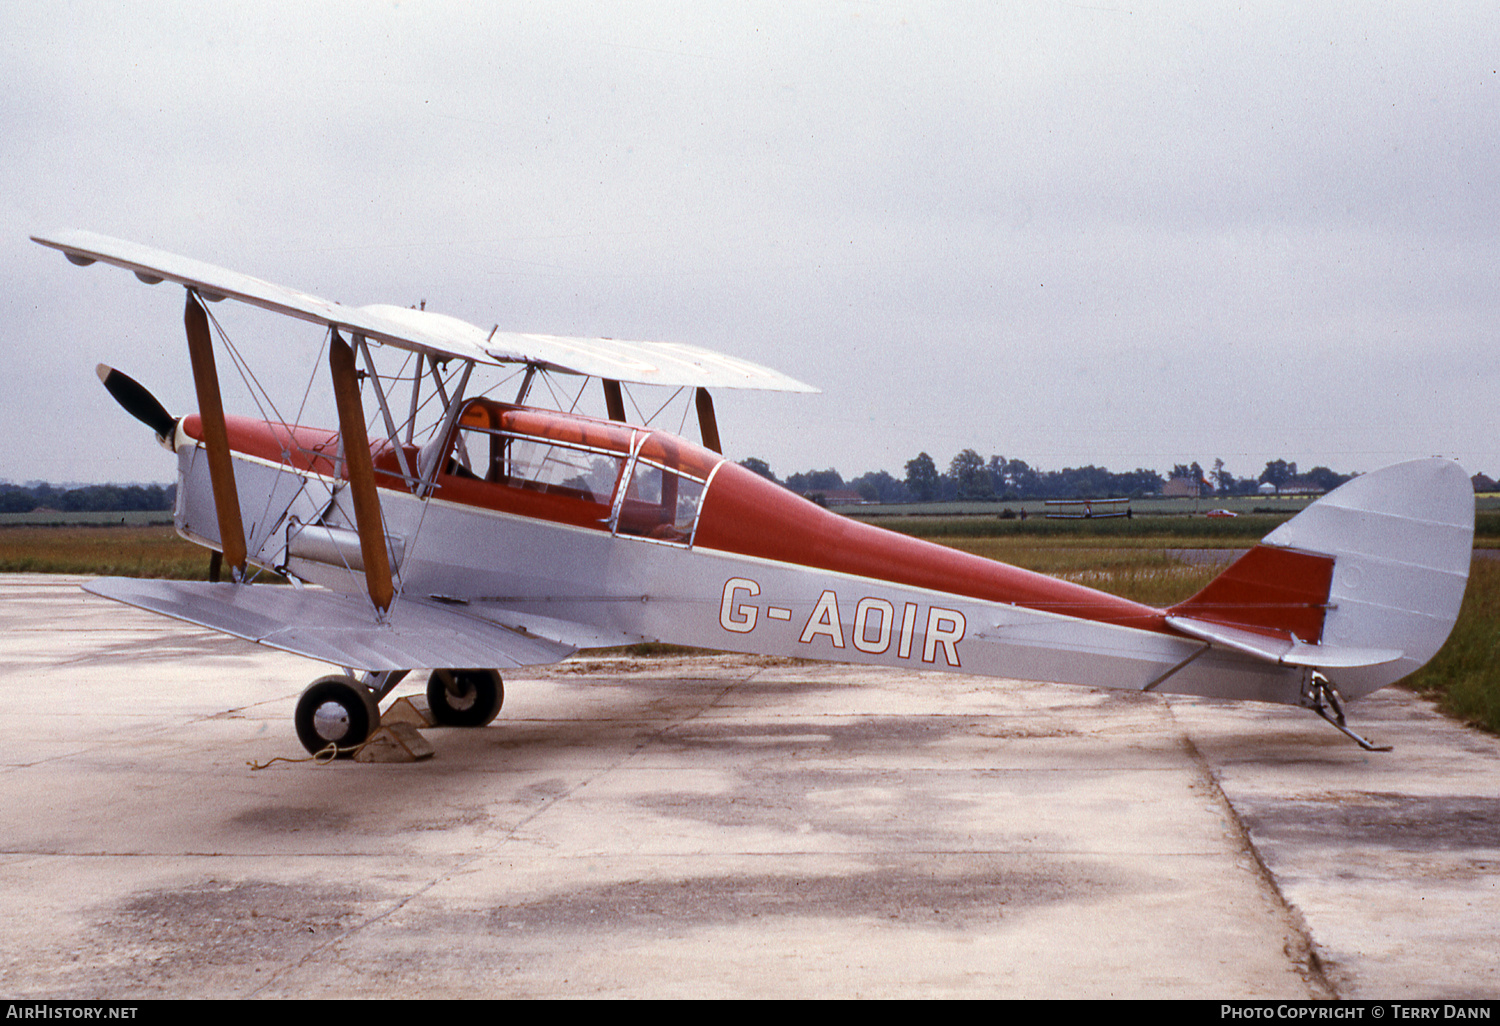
(17, 500)
(759, 466)
(922, 482)
(1223, 480)
(1278, 473)
(1322, 477)
(89, 498)
(1021, 481)
(1137, 483)
(970, 476)
(1483, 483)
(878, 486)
(996, 469)
(815, 481)
(1189, 472)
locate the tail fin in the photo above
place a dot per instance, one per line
(1364, 584)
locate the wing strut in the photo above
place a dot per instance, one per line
(361, 474)
(614, 399)
(215, 436)
(708, 424)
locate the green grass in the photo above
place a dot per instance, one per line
(1145, 531)
(1203, 532)
(1464, 677)
(78, 518)
(101, 551)
(1135, 569)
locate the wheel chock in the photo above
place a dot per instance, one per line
(395, 742)
(408, 709)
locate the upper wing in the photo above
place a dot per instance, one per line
(650, 363)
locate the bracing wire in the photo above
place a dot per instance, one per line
(645, 420)
(257, 393)
(271, 413)
(579, 397)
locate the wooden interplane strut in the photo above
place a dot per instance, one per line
(215, 436)
(614, 400)
(708, 424)
(368, 520)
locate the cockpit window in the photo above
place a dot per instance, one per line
(571, 470)
(533, 463)
(537, 464)
(661, 504)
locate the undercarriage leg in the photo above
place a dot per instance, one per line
(381, 683)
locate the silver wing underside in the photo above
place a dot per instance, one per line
(337, 628)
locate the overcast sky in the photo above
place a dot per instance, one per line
(1128, 234)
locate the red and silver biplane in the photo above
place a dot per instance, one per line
(502, 535)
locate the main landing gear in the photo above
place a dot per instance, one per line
(465, 698)
(336, 710)
(341, 711)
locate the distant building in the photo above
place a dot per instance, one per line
(840, 497)
(1296, 486)
(1184, 488)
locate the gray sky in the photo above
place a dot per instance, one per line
(1130, 234)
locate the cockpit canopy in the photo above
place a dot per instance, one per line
(573, 469)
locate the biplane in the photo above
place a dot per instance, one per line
(496, 534)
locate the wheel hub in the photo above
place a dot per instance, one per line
(331, 721)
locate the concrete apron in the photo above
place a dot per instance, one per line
(717, 827)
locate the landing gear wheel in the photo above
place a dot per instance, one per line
(465, 698)
(336, 710)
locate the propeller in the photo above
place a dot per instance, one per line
(146, 408)
(138, 402)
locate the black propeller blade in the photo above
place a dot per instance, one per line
(138, 402)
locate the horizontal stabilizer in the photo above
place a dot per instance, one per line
(338, 629)
(1278, 650)
(424, 331)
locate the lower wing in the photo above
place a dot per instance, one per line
(340, 629)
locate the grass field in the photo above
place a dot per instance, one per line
(1143, 531)
(1464, 678)
(64, 518)
(1145, 573)
(1132, 561)
(102, 550)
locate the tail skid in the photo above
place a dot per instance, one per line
(1362, 587)
(1323, 698)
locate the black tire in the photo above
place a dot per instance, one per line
(465, 698)
(336, 710)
